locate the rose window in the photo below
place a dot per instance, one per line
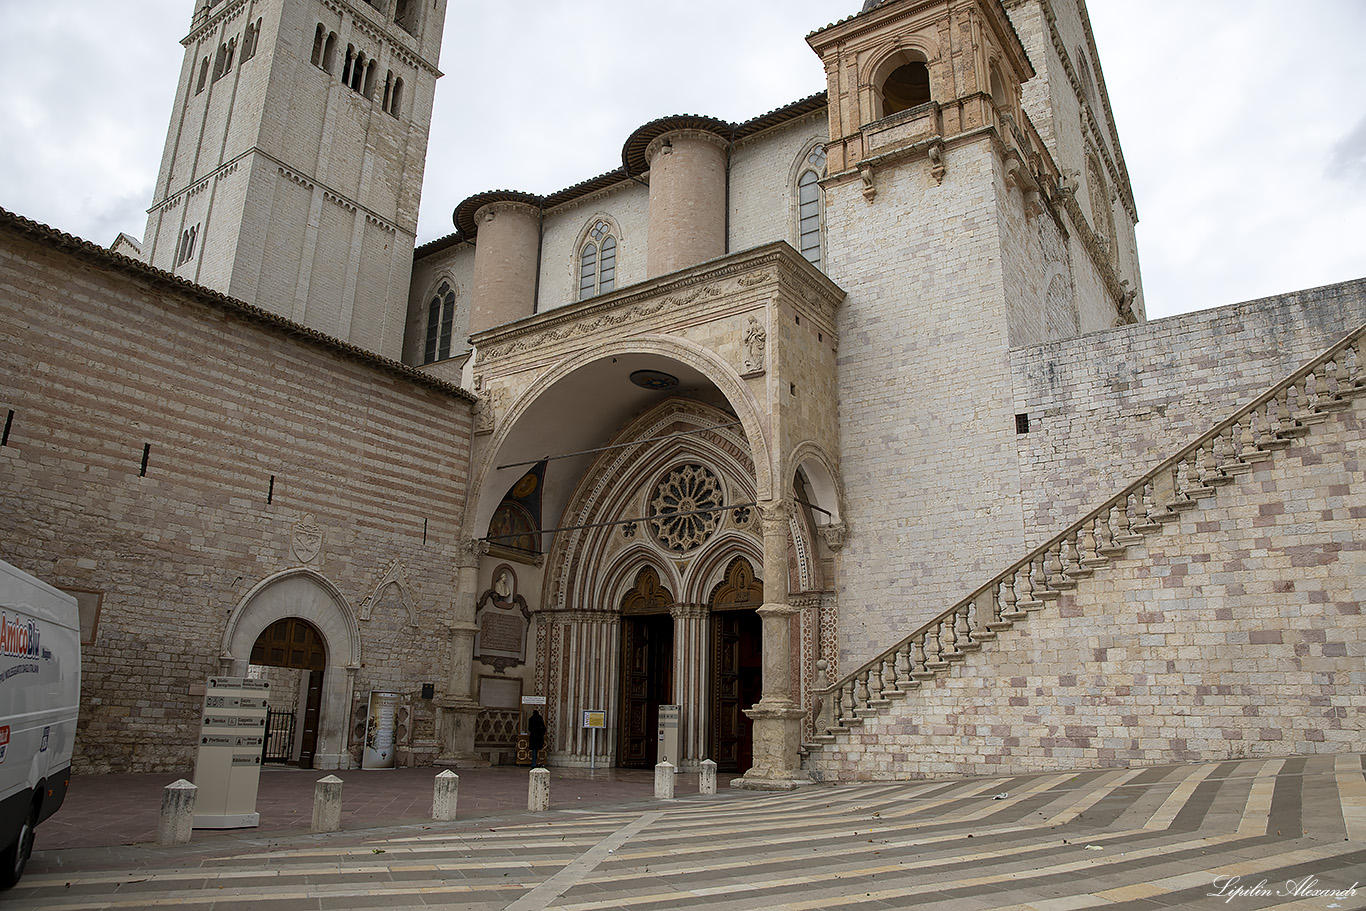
(686, 508)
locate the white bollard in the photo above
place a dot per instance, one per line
(664, 781)
(327, 796)
(444, 793)
(538, 791)
(706, 779)
(177, 813)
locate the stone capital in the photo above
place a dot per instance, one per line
(834, 535)
(775, 515)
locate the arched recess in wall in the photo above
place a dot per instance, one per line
(709, 569)
(1102, 213)
(309, 596)
(823, 477)
(1061, 317)
(900, 79)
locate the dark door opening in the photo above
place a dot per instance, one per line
(294, 643)
(646, 684)
(738, 684)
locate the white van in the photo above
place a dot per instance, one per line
(40, 690)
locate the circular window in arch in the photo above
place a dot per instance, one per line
(686, 508)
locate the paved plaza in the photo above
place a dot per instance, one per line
(1283, 833)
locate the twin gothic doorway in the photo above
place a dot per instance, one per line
(734, 681)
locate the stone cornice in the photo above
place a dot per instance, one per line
(286, 170)
(775, 263)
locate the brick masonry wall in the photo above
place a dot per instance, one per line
(1236, 631)
(99, 360)
(1105, 407)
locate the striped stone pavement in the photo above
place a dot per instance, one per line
(1283, 833)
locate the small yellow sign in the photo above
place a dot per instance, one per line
(595, 719)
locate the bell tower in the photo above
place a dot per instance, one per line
(293, 164)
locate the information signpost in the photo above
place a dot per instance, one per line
(232, 737)
(594, 721)
(668, 734)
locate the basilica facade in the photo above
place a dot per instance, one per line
(735, 426)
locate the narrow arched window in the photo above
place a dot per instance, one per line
(811, 208)
(598, 262)
(330, 52)
(370, 70)
(350, 62)
(396, 100)
(251, 37)
(203, 75)
(319, 36)
(405, 15)
(440, 324)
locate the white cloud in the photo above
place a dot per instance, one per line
(1242, 122)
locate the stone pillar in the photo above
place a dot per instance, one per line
(327, 796)
(776, 717)
(445, 792)
(706, 778)
(459, 705)
(538, 791)
(664, 781)
(177, 813)
(505, 256)
(692, 660)
(687, 200)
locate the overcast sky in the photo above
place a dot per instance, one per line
(1243, 123)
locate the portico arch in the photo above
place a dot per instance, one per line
(309, 596)
(512, 441)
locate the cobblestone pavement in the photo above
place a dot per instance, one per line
(1285, 833)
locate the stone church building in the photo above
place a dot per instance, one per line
(841, 428)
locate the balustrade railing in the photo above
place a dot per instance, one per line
(1268, 423)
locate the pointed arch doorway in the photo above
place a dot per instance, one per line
(737, 664)
(647, 634)
(292, 644)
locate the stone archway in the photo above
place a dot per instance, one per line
(308, 596)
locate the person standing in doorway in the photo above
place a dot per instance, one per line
(535, 728)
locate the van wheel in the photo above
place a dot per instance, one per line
(14, 858)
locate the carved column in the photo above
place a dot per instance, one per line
(459, 705)
(777, 718)
(691, 690)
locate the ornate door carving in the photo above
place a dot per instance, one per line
(646, 668)
(737, 665)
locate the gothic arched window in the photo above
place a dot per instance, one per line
(811, 208)
(440, 324)
(598, 262)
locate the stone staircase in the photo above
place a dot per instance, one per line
(872, 700)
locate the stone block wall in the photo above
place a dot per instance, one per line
(1105, 407)
(1235, 631)
(251, 428)
(926, 452)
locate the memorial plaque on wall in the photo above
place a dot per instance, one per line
(503, 620)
